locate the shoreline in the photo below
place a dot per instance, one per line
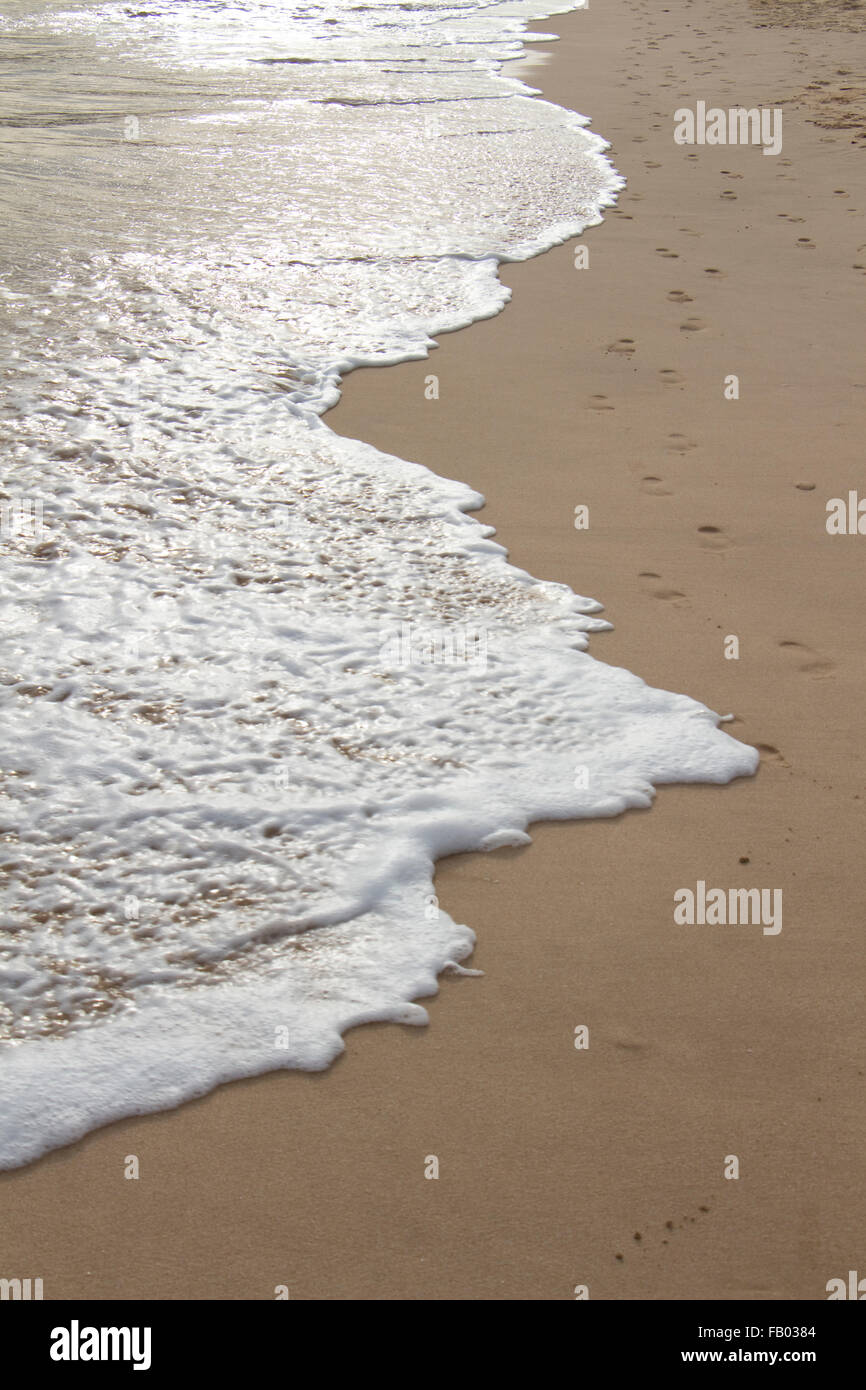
(560, 1167)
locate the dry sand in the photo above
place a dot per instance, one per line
(602, 1167)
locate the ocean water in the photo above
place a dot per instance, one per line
(254, 677)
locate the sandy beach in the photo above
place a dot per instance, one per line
(602, 1167)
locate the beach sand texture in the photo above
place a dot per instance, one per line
(604, 386)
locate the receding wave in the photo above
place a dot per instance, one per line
(254, 677)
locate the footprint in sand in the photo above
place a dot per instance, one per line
(769, 754)
(693, 326)
(670, 377)
(669, 255)
(599, 403)
(687, 1220)
(643, 1238)
(679, 297)
(805, 487)
(660, 590)
(718, 274)
(714, 538)
(729, 175)
(806, 243)
(680, 444)
(810, 662)
(729, 195)
(655, 487)
(651, 164)
(625, 345)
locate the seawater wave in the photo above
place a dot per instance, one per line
(232, 749)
